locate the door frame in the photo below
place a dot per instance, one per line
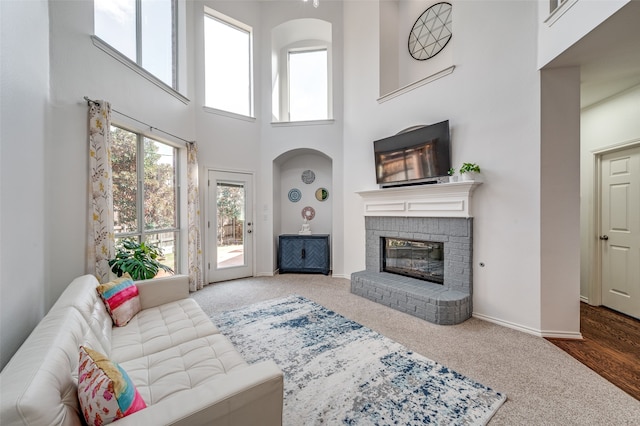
(207, 213)
(595, 249)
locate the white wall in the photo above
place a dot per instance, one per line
(227, 142)
(236, 143)
(605, 125)
(560, 202)
(389, 68)
(572, 22)
(48, 66)
(24, 112)
(492, 103)
(397, 68)
(279, 139)
(78, 68)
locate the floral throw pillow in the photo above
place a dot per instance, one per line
(120, 296)
(105, 391)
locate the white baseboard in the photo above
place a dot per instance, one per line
(561, 335)
(346, 277)
(540, 333)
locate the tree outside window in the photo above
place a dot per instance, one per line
(230, 206)
(145, 191)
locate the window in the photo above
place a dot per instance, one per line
(554, 4)
(227, 55)
(301, 71)
(141, 30)
(145, 192)
(308, 85)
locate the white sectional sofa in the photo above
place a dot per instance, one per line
(184, 369)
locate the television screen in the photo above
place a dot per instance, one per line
(416, 155)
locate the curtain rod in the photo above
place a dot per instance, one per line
(86, 98)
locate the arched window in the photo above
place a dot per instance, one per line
(301, 71)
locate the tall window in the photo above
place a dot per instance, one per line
(143, 31)
(145, 192)
(227, 55)
(308, 85)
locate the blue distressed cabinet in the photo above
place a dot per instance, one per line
(304, 253)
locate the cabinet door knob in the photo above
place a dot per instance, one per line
(303, 253)
(604, 237)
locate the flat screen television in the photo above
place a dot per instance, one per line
(413, 156)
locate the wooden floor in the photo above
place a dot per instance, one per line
(610, 346)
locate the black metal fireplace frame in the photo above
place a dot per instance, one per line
(435, 278)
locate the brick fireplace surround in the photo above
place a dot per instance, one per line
(439, 213)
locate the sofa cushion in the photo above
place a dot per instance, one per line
(81, 295)
(121, 299)
(105, 391)
(183, 367)
(159, 328)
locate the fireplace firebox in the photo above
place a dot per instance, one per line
(423, 260)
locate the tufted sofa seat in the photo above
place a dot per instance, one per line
(184, 369)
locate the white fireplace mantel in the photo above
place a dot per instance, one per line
(451, 199)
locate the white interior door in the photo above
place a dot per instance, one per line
(229, 226)
(620, 231)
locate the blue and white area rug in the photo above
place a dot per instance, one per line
(337, 371)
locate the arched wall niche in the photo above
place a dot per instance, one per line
(288, 171)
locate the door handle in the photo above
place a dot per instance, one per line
(604, 237)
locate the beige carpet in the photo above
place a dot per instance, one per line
(544, 385)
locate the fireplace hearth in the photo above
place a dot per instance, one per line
(434, 246)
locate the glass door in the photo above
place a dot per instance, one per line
(229, 226)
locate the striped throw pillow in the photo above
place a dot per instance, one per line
(120, 296)
(105, 391)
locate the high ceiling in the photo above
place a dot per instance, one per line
(609, 56)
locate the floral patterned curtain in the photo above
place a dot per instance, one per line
(100, 241)
(194, 250)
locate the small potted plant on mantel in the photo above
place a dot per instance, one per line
(452, 175)
(468, 171)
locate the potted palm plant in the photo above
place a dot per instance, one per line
(140, 260)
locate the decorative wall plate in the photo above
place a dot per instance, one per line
(308, 176)
(295, 195)
(322, 194)
(431, 32)
(308, 213)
